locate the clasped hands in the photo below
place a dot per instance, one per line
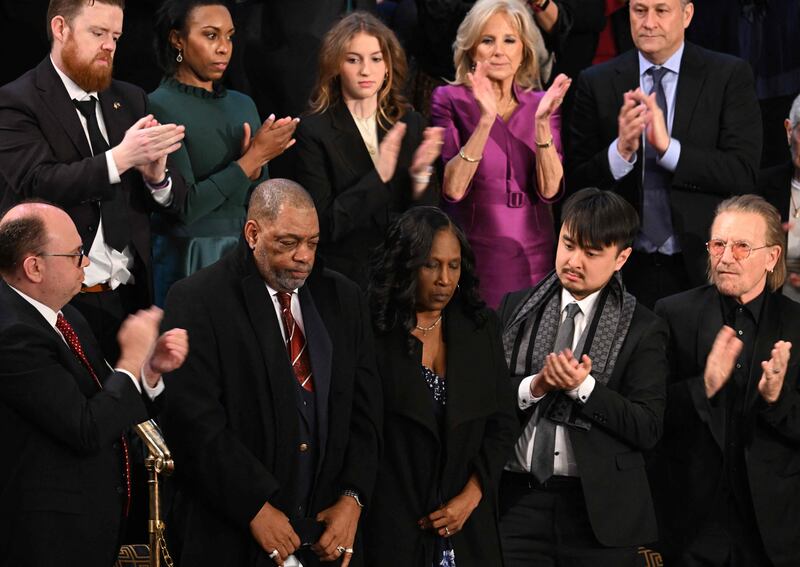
(722, 358)
(146, 146)
(561, 371)
(450, 518)
(274, 533)
(640, 113)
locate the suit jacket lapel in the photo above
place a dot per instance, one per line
(349, 144)
(690, 84)
(57, 100)
(709, 323)
(114, 127)
(769, 332)
(279, 376)
(320, 350)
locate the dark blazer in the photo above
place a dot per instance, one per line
(62, 487)
(690, 455)
(626, 416)
(422, 466)
(774, 184)
(44, 154)
(717, 121)
(355, 207)
(233, 422)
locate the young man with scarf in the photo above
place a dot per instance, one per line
(591, 367)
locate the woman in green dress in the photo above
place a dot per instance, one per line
(226, 148)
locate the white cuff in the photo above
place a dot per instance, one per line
(162, 196)
(619, 166)
(152, 393)
(113, 172)
(582, 392)
(525, 398)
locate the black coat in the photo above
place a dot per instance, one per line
(44, 154)
(627, 419)
(717, 121)
(775, 185)
(422, 464)
(62, 486)
(690, 457)
(355, 207)
(232, 419)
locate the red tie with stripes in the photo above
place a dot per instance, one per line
(295, 343)
(72, 340)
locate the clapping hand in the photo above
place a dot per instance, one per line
(388, 151)
(553, 97)
(720, 361)
(482, 91)
(774, 372)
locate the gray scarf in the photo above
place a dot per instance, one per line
(602, 341)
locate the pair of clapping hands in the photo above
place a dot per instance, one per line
(639, 114)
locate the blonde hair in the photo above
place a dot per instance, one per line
(328, 91)
(773, 236)
(469, 33)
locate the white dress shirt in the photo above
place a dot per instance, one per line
(107, 265)
(51, 316)
(564, 463)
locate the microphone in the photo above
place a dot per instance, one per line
(154, 439)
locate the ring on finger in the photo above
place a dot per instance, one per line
(447, 531)
(340, 549)
(348, 550)
(274, 554)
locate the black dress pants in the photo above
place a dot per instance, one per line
(548, 526)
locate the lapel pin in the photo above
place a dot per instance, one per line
(116, 105)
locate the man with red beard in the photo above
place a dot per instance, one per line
(71, 135)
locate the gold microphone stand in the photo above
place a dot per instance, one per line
(158, 461)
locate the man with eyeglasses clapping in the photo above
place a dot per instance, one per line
(726, 476)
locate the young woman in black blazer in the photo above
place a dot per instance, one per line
(362, 152)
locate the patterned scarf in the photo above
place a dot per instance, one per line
(539, 316)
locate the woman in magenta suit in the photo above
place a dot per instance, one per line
(502, 147)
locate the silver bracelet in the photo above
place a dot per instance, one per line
(354, 495)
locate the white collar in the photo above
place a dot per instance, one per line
(672, 64)
(586, 304)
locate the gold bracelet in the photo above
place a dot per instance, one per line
(465, 157)
(546, 145)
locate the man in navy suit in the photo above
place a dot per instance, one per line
(64, 412)
(673, 128)
(71, 135)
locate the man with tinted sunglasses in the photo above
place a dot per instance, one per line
(726, 476)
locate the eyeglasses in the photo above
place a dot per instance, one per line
(79, 255)
(739, 248)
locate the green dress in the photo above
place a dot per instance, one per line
(216, 202)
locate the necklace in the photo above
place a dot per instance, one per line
(431, 328)
(796, 213)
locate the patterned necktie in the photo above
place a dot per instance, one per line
(656, 212)
(295, 343)
(72, 340)
(116, 230)
(544, 441)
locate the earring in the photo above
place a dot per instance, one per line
(179, 58)
(472, 67)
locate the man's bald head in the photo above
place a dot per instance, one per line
(269, 196)
(23, 231)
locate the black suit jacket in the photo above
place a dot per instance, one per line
(233, 422)
(44, 154)
(690, 455)
(775, 185)
(62, 487)
(717, 121)
(424, 466)
(355, 207)
(626, 416)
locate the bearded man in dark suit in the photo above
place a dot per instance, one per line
(71, 135)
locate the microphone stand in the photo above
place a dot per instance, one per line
(158, 461)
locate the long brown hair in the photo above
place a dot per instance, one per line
(328, 91)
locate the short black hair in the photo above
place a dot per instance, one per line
(172, 15)
(596, 218)
(18, 238)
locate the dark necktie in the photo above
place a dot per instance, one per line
(295, 343)
(72, 340)
(544, 441)
(114, 211)
(656, 212)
